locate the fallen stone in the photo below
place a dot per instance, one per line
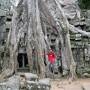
(86, 75)
(11, 84)
(31, 76)
(45, 81)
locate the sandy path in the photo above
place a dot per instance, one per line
(65, 85)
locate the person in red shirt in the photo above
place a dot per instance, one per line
(51, 58)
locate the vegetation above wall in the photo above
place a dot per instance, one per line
(84, 4)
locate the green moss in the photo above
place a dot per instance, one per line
(84, 4)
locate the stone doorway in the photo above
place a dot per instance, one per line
(23, 65)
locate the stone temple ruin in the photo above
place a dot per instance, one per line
(29, 30)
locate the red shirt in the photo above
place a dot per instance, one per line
(51, 57)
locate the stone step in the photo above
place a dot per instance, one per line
(23, 70)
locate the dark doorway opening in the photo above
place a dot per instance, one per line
(22, 60)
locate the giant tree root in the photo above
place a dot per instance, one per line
(6, 74)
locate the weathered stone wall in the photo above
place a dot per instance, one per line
(5, 27)
(80, 44)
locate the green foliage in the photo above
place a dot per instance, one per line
(84, 4)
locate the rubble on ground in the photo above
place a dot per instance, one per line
(26, 81)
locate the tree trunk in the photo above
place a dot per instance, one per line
(62, 27)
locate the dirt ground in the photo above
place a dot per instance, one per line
(64, 84)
